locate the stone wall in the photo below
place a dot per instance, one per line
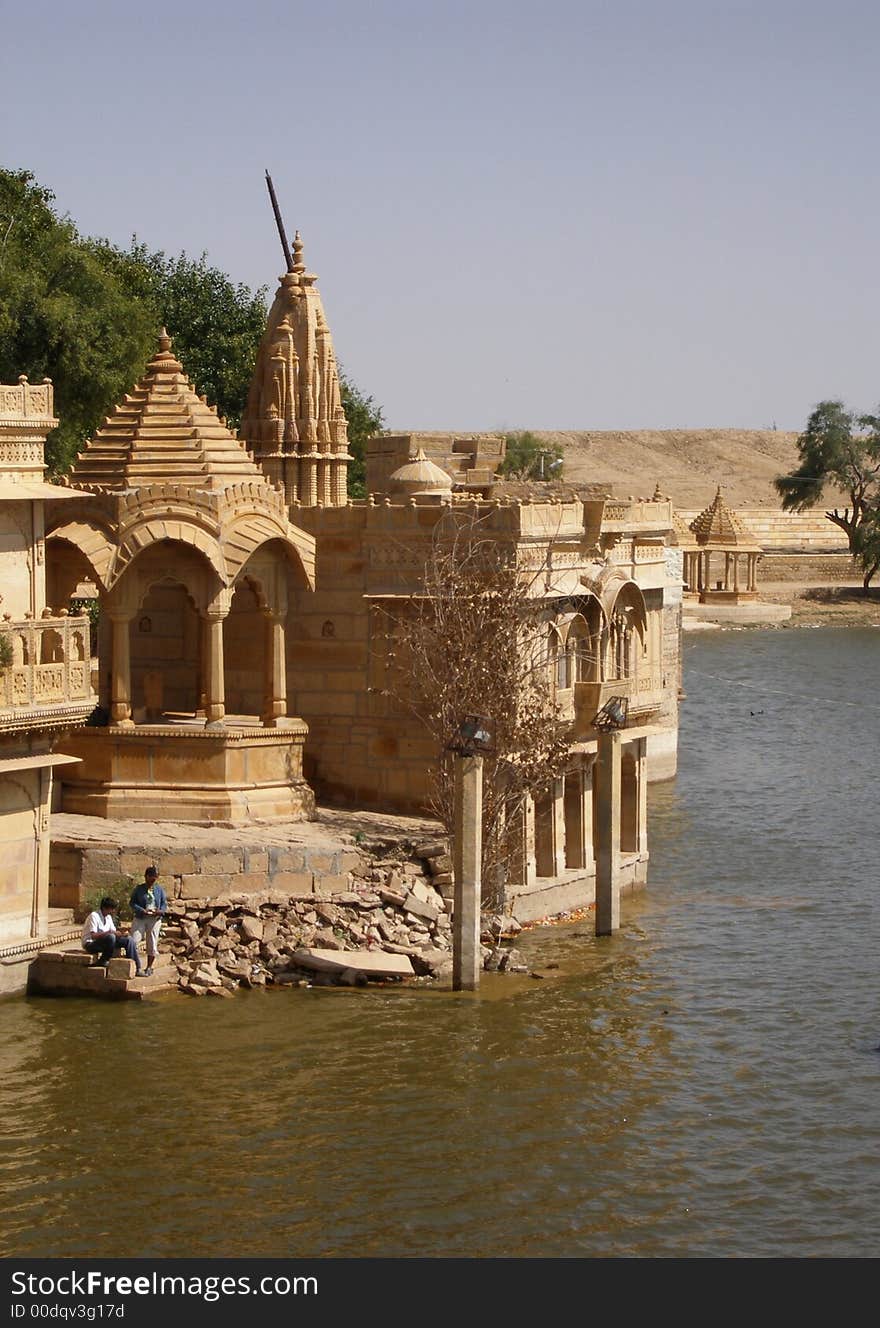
(78, 870)
(20, 839)
(808, 567)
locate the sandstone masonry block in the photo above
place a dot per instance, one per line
(206, 887)
(296, 882)
(322, 862)
(329, 884)
(220, 864)
(286, 860)
(176, 864)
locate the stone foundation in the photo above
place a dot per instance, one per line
(550, 898)
(228, 775)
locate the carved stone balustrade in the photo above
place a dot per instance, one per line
(48, 682)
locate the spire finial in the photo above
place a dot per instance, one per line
(164, 339)
(298, 261)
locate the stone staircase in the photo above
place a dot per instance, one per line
(65, 969)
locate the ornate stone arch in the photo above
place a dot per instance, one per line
(627, 645)
(250, 531)
(152, 565)
(94, 542)
(153, 531)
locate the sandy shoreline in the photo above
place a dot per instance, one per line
(826, 605)
(829, 604)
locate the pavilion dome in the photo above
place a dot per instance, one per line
(718, 527)
(420, 476)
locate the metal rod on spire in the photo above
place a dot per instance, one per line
(279, 223)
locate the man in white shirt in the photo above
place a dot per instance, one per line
(99, 935)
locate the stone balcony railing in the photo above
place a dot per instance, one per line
(636, 515)
(49, 680)
(644, 696)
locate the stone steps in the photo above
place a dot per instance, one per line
(66, 970)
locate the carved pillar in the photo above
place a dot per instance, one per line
(308, 482)
(642, 782)
(120, 673)
(558, 795)
(736, 571)
(275, 704)
(340, 483)
(215, 707)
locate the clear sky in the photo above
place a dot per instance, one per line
(549, 215)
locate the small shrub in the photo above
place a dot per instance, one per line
(121, 892)
(526, 457)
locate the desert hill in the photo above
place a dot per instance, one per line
(688, 464)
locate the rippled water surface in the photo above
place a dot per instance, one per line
(706, 1082)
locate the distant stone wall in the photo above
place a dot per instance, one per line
(808, 567)
(77, 870)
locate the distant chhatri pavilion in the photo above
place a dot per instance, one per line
(718, 530)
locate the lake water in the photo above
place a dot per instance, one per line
(703, 1083)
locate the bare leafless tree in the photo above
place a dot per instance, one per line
(474, 640)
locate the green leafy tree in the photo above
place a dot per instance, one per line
(364, 420)
(63, 315)
(867, 545)
(216, 324)
(842, 449)
(86, 314)
(526, 457)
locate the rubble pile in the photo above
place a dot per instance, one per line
(399, 902)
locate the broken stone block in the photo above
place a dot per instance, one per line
(428, 962)
(430, 848)
(250, 928)
(205, 975)
(422, 908)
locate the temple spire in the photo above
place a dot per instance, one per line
(294, 422)
(298, 261)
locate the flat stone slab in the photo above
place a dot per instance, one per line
(743, 615)
(375, 963)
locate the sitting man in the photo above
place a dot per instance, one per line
(149, 906)
(99, 935)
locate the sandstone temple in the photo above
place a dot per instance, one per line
(231, 676)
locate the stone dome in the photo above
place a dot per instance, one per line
(419, 476)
